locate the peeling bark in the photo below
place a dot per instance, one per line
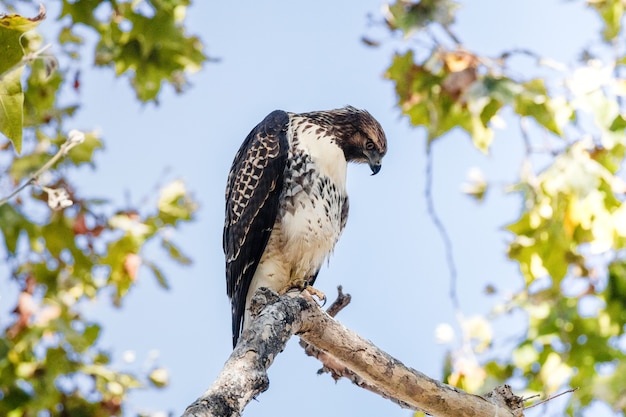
(244, 375)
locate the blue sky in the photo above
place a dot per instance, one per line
(302, 56)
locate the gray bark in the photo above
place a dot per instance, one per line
(342, 351)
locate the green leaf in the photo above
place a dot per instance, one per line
(81, 11)
(12, 223)
(409, 16)
(58, 234)
(158, 275)
(11, 108)
(482, 136)
(68, 36)
(615, 293)
(525, 355)
(155, 49)
(27, 165)
(12, 27)
(618, 124)
(611, 12)
(534, 101)
(175, 203)
(40, 97)
(82, 341)
(421, 98)
(175, 253)
(501, 89)
(84, 152)
(91, 334)
(13, 399)
(117, 254)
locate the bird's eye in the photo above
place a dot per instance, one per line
(369, 145)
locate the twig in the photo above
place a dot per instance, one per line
(452, 35)
(616, 71)
(74, 138)
(26, 59)
(445, 237)
(519, 51)
(340, 303)
(523, 126)
(550, 398)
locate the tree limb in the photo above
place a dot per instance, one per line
(336, 369)
(244, 375)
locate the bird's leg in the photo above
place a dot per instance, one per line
(314, 291)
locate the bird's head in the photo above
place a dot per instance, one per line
(360, 136)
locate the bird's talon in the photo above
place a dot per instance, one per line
(317, 293)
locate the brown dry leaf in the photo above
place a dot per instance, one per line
(456, 83)
(462, 67)
(80, 227)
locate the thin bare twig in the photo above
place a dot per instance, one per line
(443, 232)
(65, 148)
(340, 303)
(523, 126)
(452, 35)
(552, 397)
(26, 59)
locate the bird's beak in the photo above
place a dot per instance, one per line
(374, 160)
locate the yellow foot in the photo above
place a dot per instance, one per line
(314, 291)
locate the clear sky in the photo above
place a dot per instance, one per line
(302, 56)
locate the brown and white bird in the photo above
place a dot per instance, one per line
(286, 201)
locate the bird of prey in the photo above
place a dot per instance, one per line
(286, 201)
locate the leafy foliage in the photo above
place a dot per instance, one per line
(12, 27)
(145, 41)
(63, 248)
(569, 239)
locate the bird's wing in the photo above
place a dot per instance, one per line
(254, 185)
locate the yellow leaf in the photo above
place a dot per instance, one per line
(21, 23)
(159, 377)
(479, 330)
(554, 372)
(525, 356)
(536, 266)
(619, 220)
(170, 193)
(115, 388)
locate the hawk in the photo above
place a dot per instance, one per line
(286, 201)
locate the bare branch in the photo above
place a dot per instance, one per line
(245, 373)
(552, 397)
(335, 368)
(75, 137)
(340, 303)
(443, 233)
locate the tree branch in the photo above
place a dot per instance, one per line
(336, 369)
(74, 138)
(244, 375)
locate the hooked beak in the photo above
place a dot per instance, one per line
(374, 160)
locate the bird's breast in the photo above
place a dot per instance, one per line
(310, 215)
